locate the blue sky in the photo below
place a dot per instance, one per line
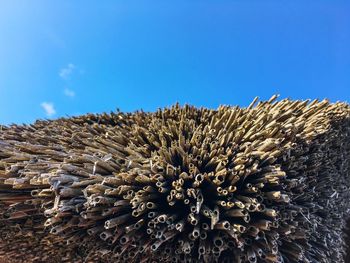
(62, 58)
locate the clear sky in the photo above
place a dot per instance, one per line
(60, 58)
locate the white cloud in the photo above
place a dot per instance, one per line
(69, 92)
(49, 108)
(67, 71)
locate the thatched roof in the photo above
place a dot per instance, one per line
(266, 183)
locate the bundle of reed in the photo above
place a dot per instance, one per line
(266, 183)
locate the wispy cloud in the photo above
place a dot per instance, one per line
(49, 108)
(55, 39)
(67, 71)
(69, 92)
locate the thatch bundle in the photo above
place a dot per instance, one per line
(266, 183)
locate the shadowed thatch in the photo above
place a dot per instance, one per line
(267, 183)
